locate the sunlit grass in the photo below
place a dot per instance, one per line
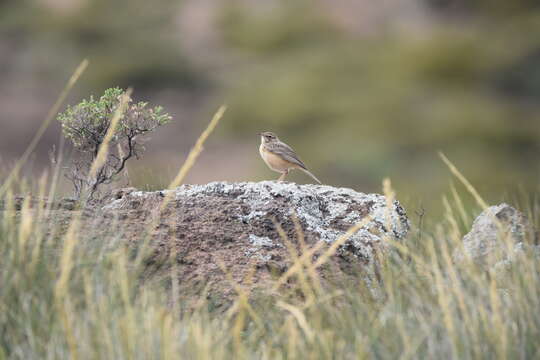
(62, 297)
(62, 300)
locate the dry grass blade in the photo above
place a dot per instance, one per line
(464, 181)
(50, 116)
(301, 240)
(297, 266)
(198, 148)
(460, 206)
(188, 164)
(300, 318)
(194, 153)
(504, 235)
(294, 256)
(243, 295)
(66, 260)
(340, 241)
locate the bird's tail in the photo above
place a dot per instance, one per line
(310, 174)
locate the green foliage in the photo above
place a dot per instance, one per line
(86, 126)
(87, 123)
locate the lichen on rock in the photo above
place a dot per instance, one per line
(206, 229)
(325, 212)
(235, 224)
(498, 235)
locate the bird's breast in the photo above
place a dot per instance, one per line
(274, 162)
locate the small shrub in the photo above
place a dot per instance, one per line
(86, 124)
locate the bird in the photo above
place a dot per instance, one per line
(281, 157)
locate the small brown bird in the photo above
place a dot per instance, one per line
(280, 157)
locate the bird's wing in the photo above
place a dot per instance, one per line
(286, 152)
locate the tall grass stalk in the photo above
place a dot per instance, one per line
(44, 125)
(63, 297)
(194, 153)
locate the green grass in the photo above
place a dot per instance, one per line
(65, 298)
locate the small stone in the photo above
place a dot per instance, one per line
(497, 234)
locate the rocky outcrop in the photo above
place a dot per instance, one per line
(498, 235)
(203, 229)
(235, 224)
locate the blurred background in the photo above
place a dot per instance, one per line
(361, 89)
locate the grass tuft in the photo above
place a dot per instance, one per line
(65, 298)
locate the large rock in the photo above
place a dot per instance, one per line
(497, 235)
(233, 223)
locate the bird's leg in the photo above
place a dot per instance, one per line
(282, 177)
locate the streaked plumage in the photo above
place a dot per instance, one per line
(281, 157)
